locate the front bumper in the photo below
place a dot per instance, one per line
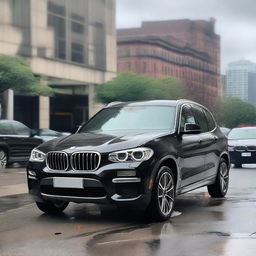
(104, 185)
(238, 157)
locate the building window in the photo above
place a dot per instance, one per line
(56, 9)
(77, 53)
(155, 68)
(128, 66)
(58, 23)
(144, 67)
(61, 49)
(77, 27)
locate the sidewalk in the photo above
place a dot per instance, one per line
(9, 190)
(13, 182)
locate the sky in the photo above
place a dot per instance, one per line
(236, 21)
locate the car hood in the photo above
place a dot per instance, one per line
(250, 142)
(99, 142)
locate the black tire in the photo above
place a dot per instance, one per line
(220, 187)
(52, 207)
(3, 159)
(163, 197)
(238, 165)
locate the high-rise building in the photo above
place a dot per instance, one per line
(241, 80)
(71, 44)
(186, 49)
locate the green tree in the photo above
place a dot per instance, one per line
(16, 74)
(234, 111)
(133, 87)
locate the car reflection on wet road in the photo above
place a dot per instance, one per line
(200, 226)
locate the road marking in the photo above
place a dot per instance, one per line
(13, 189)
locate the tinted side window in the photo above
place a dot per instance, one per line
(210, 120)
(21, 129)
(186, 117)
(200, 118)
(6, 129)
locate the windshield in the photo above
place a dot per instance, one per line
(132, 118)
(242, 134)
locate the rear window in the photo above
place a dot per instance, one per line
(6, 128)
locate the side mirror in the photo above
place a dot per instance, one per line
(191, 129)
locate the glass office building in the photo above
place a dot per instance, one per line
(241, 80)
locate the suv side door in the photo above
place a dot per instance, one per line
(7, 136)
(190, 150)
(208, 141)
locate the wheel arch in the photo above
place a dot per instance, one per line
(226, 157)
(4, 147)
(170, 162)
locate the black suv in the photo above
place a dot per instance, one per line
(140, 154)
(16, 142)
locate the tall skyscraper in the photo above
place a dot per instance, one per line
(241, 80)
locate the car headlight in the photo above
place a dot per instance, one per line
(231, 148)
(131, 155)
(37, 156)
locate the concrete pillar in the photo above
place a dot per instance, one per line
(8, 104)
(92, 105)
(44, 112)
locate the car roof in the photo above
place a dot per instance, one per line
(172, 103)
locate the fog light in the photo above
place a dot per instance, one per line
(127, 173)
(32, 173)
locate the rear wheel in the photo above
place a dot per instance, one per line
(163, 195)
(52, 207)
(3, 159)
(220, 187)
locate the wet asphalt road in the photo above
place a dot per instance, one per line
(200, 225)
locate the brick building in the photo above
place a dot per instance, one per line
(185, 49)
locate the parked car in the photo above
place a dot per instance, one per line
(16, 143)
(47, 134)
(242, 146)
(140, 154)
(225, 130)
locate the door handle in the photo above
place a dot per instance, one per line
(200, 140)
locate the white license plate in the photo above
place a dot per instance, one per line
(246, 154)
(60, 182)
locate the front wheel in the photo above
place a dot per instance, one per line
(220, 187)
(163, 195)
(52, 207)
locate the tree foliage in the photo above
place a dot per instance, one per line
(16, 74)
(133, 87)
(234, 112)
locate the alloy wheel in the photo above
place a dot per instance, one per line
(224, 177)
(3, 159)
(165, 193)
